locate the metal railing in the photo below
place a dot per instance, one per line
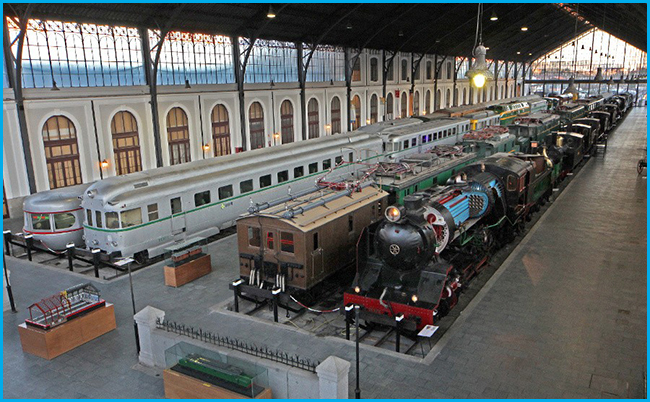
(235, 344)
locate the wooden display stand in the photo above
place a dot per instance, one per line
(181, 386)
(179, 276)
(54, 342)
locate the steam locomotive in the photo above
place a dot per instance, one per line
(418, 259)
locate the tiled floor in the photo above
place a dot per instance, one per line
(565, 316)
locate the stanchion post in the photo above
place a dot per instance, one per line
(70, 252)
(357, 390)
(398, 327)
(275, 293)
(10, 294)
(348, 320)
(96, 252)
(7, 236)
(29, 242)
(235, 286)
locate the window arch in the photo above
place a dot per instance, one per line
(449, 70)
(404, 69)
(355, 112)
(464, 96)
(389, 106)
(448, 98)
(427, 101)
(373, 108)
(256, 124)
(220, 131)
(61, 152)
(389, 71)
(286, 122)
(313, 118)
(416, 103)
(126, 144)
(429, 75)
(404, 105)
(374, 69)
(335, 114)
(178, 136)
(501, 91)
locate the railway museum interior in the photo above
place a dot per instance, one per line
(265, 200)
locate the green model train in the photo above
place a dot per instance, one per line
(217, 369)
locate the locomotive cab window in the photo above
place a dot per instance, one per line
(176, 205)
(112, 220)
(406, 144)
(98, 219)
(313, 167)
(89, 217)
(201, 198)
(286, 242)
(225, 192)
(283, 176)
(265, 181)
(351, 157)
(327, 163)
(269, 241)
(246, 186)
(298, 172)
(132, 217)
(338, 160)
(254, 236)
(152, 212)
(512, 183)
(64, 220)
(41, 222)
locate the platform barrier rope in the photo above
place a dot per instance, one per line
(241, 346)
(313, 310)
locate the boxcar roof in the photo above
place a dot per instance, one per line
(323, 214)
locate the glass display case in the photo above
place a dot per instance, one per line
(230, 373)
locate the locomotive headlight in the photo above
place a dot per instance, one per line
(393, 214)
(414, 298)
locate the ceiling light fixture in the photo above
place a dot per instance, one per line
(271, 12)
(479, 74)
(349, 26)
(524, 29)
(494, 16)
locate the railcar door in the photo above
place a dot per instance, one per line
(178, 219)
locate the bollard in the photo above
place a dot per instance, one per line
(275, 293)
(29, 242)
(7, 236)
(95, 252)
(70, 252)
(348, 320)
(235, 286)
(398, 325)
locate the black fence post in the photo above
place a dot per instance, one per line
(29, 242)
(275, 293)
(235, 286)
(7, 236)
(398, 327)
(348, 320)
(70, 252)
(95, 252)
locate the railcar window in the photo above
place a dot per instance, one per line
(225, 192)
(351, 157)
(406, 144)
(298, 172)
(512, 183)
(414, 142)
(89, 216)
(313, 167)
(253, 236)
(265, 181)
(453, 131)
(98, 218)
(132, 217)
(338, 160)
(327, 163)
(176, 205)
(152, 212)
(64, 220)
(41, 222)
(286, 242)
(202, 198)
(269, 241)
(246, 186)
(315, 241)
(112, 220)
(283, 176)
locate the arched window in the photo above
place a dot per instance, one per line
(178, 135)
(374, 69)
(389, 72)
(436, 104)
(356, 70)
(336, 115)
(256, 125)
(61, 152)
(455, 97)
(286, 122)
(404, 69)
(220, 131)
(416, 104)
(312, 118)
(404, 105)
(429, 74)
(389, 106)
(427, 101)
(501, 91)
(464, 96)
(449, 70)
(448, 100)
(355, 112)
(373, 109)
(126, 144)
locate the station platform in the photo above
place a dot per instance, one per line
(564, 316)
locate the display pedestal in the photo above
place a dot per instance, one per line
(51, 343)
(179, 276)
(181, 386)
